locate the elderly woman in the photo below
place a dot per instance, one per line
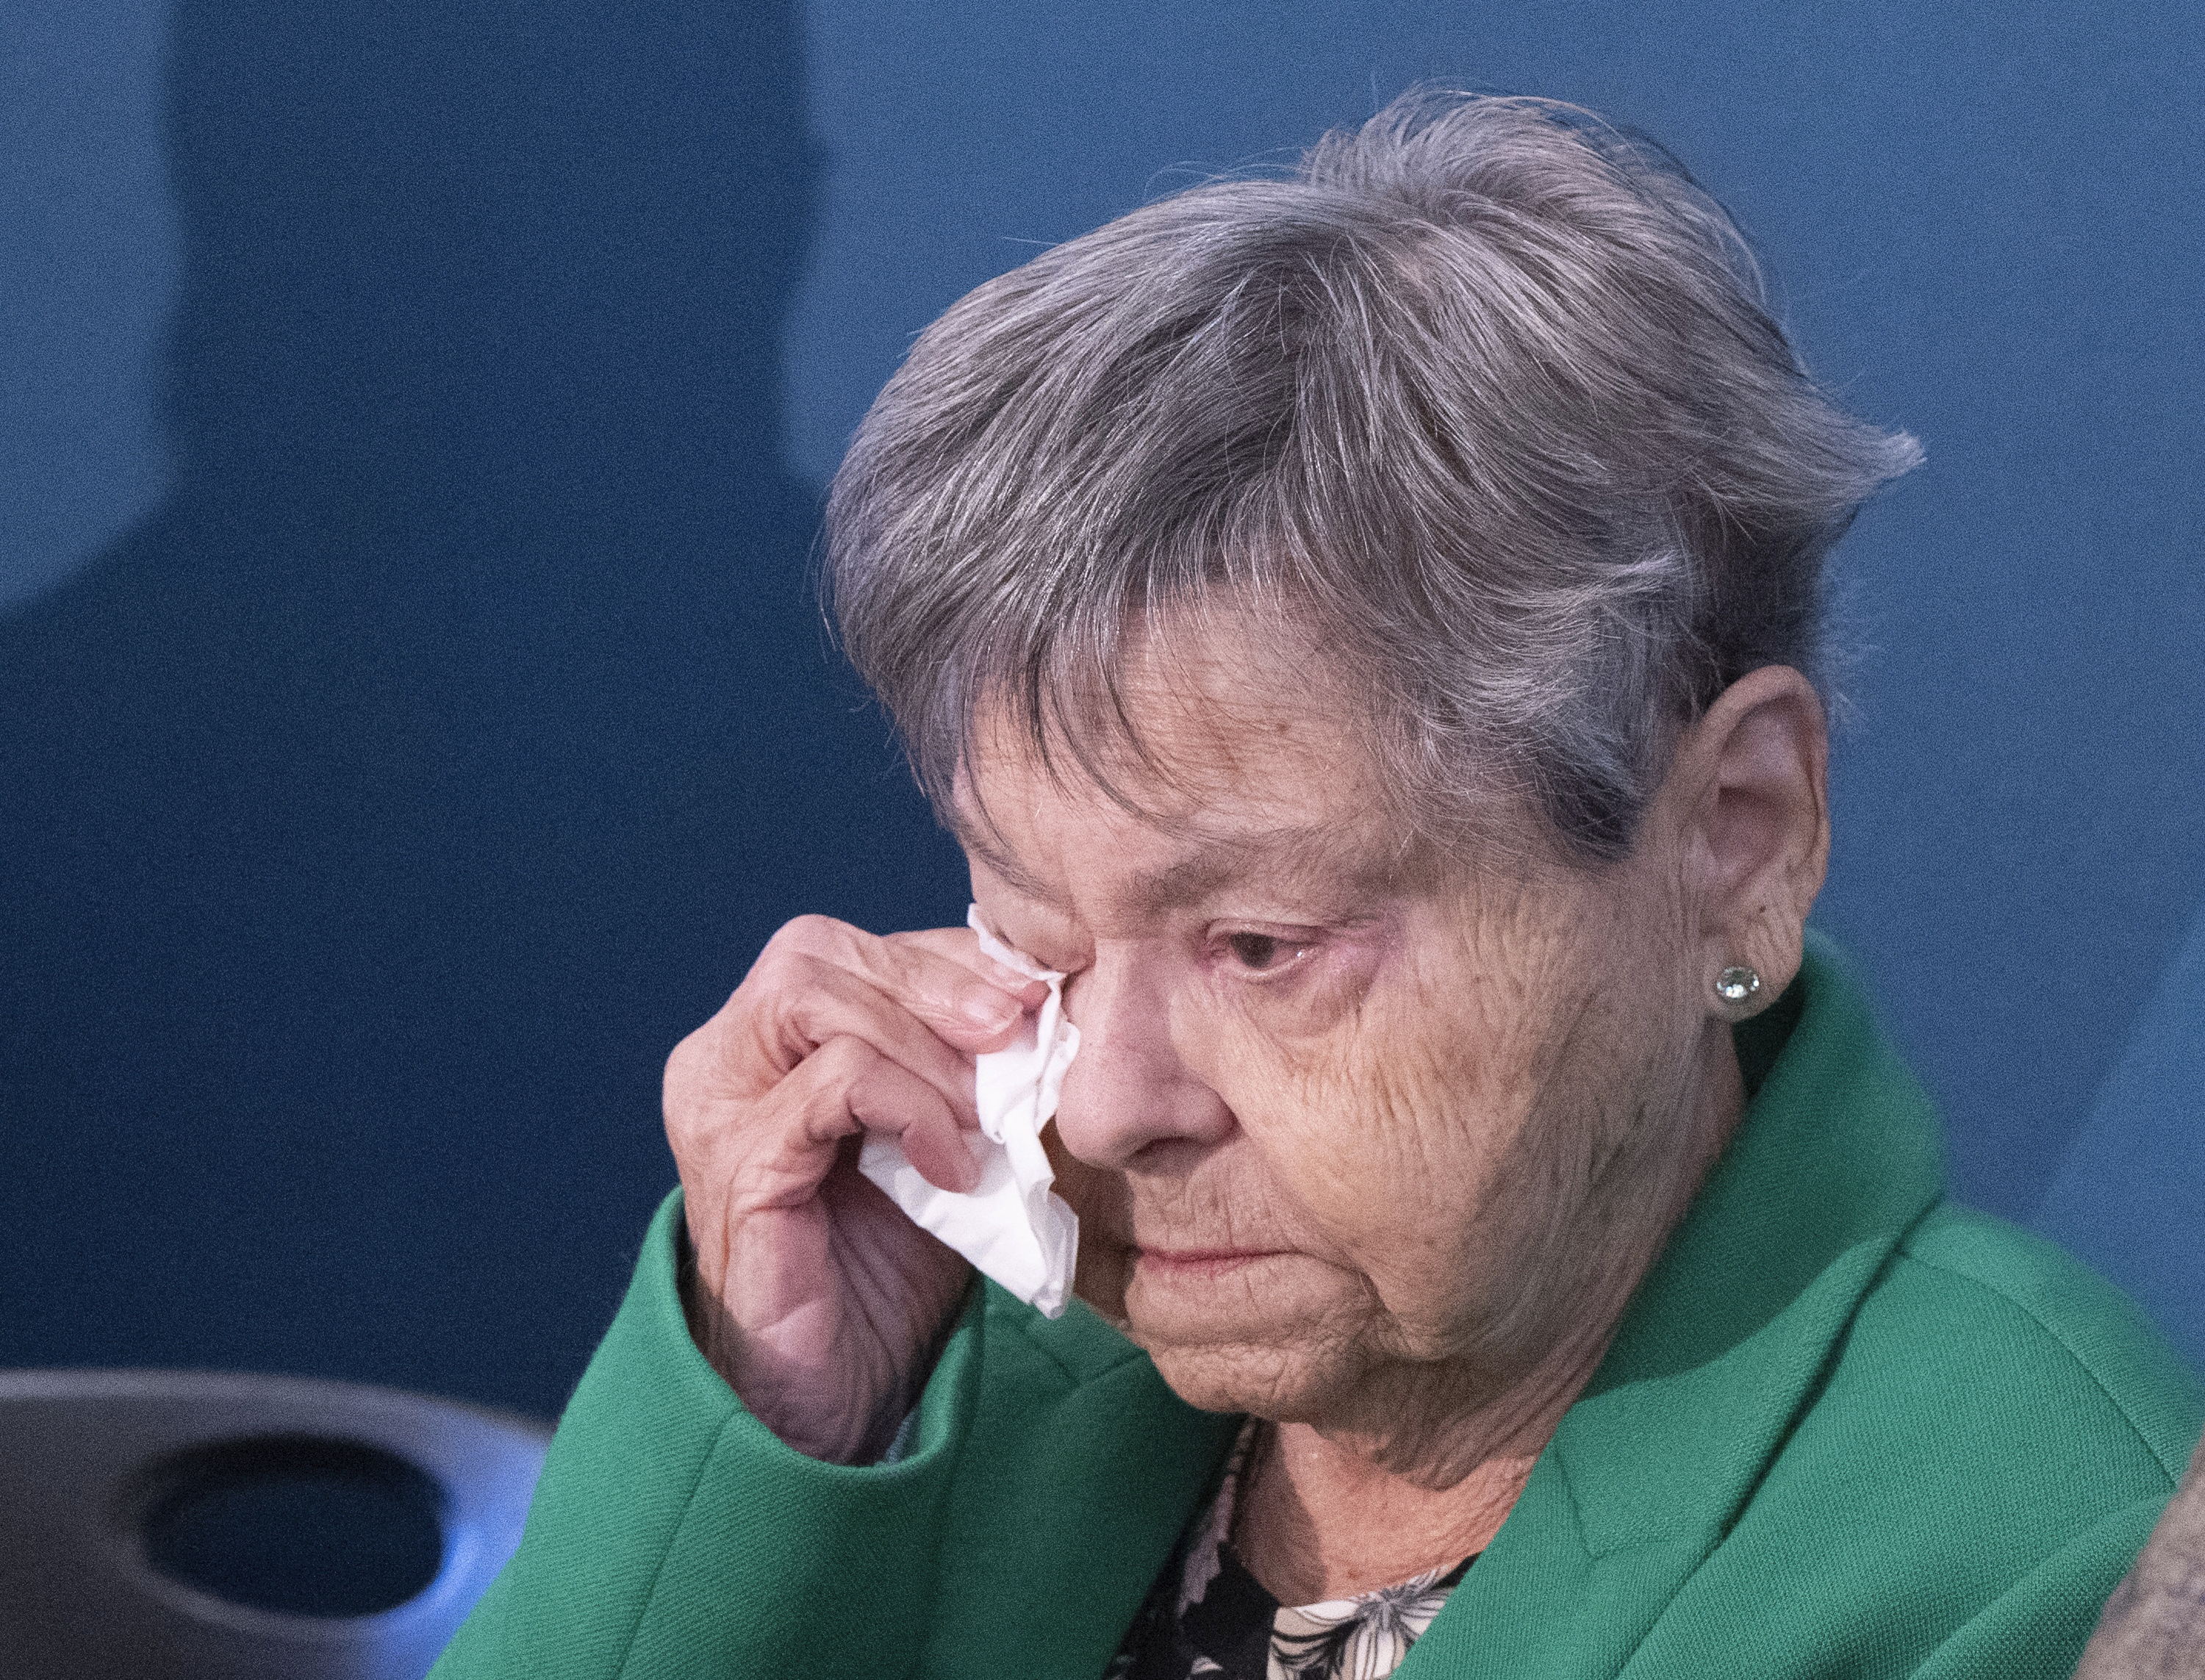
(1362, 628)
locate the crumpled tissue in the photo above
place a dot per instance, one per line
(1010, 1226)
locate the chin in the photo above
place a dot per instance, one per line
(1285, 1360)
(1282, 1385)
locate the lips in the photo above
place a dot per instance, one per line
(1192, 1262)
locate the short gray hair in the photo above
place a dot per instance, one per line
(1486, 395)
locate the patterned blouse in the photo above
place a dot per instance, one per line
(1207, 1615)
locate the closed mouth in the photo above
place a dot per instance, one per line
(1206, 1262)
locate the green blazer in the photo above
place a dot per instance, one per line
(1846, 1429)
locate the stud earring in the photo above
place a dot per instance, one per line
(1738, 984)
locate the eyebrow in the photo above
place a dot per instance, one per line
(1301, 849)
(1014, 874)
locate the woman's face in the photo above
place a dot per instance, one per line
(1351, 1135)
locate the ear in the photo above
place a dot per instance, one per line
(1751, 782)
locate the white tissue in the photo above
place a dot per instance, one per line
(1010, 1226)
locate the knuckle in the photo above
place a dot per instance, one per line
(689, 1062)
(808, 956)
(810, 933)
(841, 1059)
(781, 957)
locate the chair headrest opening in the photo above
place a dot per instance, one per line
(304, 1525)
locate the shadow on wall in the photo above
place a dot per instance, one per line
(382, 810)
(2128, 1195)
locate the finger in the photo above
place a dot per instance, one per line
(973, 1000)
(848, 1087)
(824, 1003)
(886, 1099)
(961, 946)
(961, 1003)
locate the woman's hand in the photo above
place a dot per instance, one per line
(812, 1294)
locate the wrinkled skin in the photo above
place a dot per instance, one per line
(1370, 1139)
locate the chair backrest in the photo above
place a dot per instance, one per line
(193, 1523)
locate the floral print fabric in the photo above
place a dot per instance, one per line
(1208, 1616)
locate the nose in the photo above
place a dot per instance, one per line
(1129, 1088)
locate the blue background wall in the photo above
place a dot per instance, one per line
(414, 712)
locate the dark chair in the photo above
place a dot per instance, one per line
(180, 1524)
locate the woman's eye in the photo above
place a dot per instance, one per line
(1260, 952)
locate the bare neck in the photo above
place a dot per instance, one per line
(1318, 1521)
(1321, 1516)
